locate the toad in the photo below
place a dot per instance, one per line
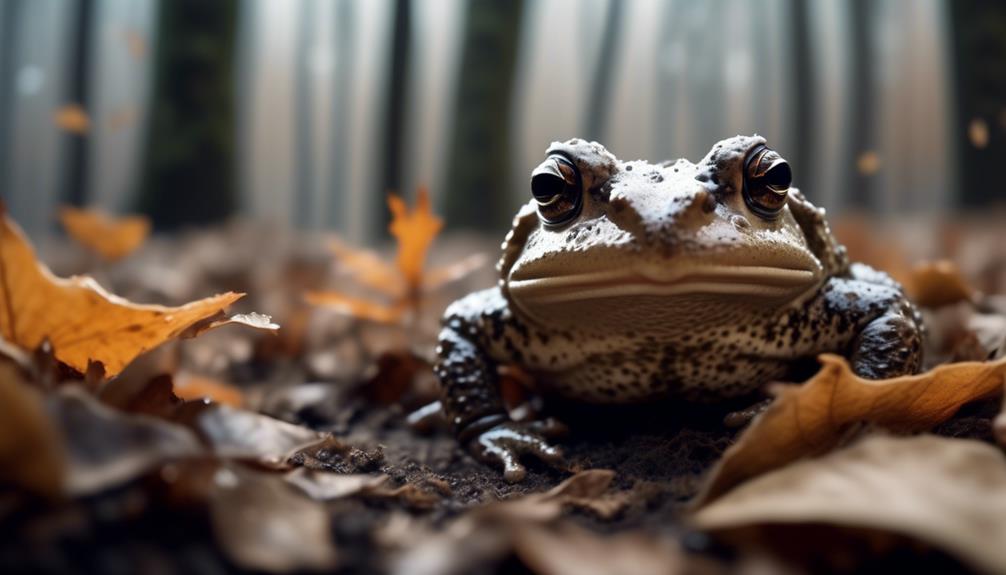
(626, 282)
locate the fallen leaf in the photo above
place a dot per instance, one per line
(72, 118)
(105, 447)
(487, 534)
(238, 433)
(31, 450)
(408, 494)
(414, 231)
(190, 386)
(587, 490)
(403, 284)
(82, 321)
(571, 550)
(936, 284)
(111, 238)
(950, 493)
(327, 486)
(812, 418)
(262, 523)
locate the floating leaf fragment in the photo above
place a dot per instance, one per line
(812, 418)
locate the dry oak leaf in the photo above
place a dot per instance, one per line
(810, 419)
(111, 238)
(936, 284)
(950, 493)
(72, 118)
(82, 321)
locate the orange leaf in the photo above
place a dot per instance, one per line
(81, 320)
(415, 232)
(356, 307)
(112, 238)
(72, 118)
(368, 269)
(811, 419)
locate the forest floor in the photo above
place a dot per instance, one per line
(240, 450)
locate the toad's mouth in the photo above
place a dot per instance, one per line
(710, 279)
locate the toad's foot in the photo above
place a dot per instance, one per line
(504, 445)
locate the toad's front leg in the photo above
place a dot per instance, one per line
(889, 338)
(470, 386)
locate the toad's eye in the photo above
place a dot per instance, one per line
(767, 178)
(555, 185)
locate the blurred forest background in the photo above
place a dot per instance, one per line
(305, 113)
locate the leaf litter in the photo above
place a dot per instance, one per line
(293, 453)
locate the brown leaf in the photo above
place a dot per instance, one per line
(238, 433)
(106, 447)
(111, 238)
(415, 231)
(936, 284)
(811, 418)
(586, 490)
(81, 320)
(950, 493)
(31, 450)
(72, 118)
(572, 550)
(327, 486)
(262, 523)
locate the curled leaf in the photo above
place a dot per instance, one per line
(950, 493)
(811, 419)
(82, 321)
(111, 238)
